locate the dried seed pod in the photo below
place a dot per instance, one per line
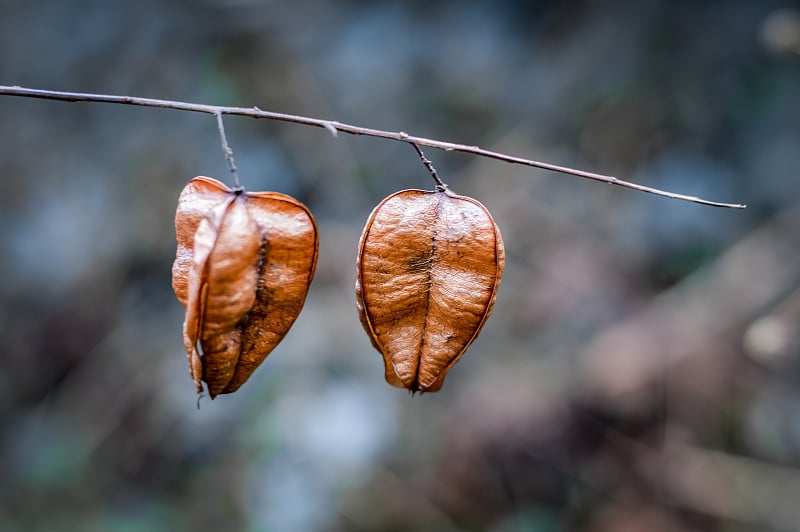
(429, 264)
(242, 271)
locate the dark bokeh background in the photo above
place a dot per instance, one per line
(640, 371)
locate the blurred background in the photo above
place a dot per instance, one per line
(640, 371)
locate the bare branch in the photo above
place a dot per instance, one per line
(334, 127)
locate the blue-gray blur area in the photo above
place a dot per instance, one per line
(641, 370)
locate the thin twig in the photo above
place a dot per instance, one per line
(228, 152)
(440, 185)
(334, 126)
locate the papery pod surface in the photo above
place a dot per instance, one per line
(242, 270)
(429, 265)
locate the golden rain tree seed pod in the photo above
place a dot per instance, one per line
(429, 265)
(242, 270)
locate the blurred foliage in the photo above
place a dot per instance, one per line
(640, 371)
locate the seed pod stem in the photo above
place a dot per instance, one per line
(228, 152)
(440, 185)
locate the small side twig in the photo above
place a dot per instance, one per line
(334, 126)
(440, 185)
(228, 153)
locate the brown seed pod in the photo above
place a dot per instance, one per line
(429, 264)
(242, 271)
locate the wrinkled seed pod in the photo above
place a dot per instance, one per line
(242, 270)
(429, 265)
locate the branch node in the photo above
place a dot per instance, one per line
(330, 127)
